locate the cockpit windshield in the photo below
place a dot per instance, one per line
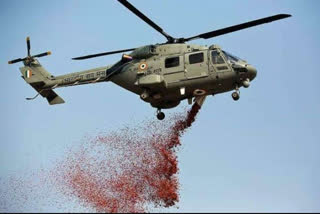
(231, 57)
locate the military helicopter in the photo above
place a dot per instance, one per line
(162, 74)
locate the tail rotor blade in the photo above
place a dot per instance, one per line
(42, 54)
(28, 45)
(16, 60)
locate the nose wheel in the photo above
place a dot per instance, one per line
(160, 114)
(236, 95)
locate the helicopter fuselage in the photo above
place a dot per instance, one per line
(165, 74)
(162, 74)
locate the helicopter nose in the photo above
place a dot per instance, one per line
(252, 72)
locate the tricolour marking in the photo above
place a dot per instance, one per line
(127, 56)
(28, 73)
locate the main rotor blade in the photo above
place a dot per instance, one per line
(28, 45)
(146, 19)
(237, 27)
(102, 54)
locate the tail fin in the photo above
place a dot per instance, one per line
(35, 75)
(38, 77)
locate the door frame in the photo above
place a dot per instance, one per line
(204, 72)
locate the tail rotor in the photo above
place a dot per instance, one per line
(28, 59)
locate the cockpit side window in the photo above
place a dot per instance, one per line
(172, 62)
(216, 58)
(231, 57)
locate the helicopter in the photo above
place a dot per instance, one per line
(162, 74)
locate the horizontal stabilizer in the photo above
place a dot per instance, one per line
(52, 97)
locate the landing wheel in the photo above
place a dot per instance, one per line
(160, 115)
(235, 96)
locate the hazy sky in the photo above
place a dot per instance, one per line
(260, 154)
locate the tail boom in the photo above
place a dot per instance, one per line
(44, 83)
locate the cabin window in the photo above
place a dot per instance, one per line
(196, 58)
(172, 62)
(216, 58)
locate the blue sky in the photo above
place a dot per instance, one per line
(257, 154)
